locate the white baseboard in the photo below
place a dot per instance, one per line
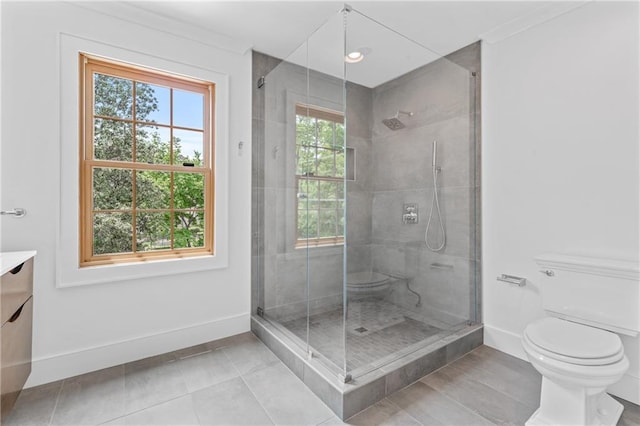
(504, 341)
(61, 366)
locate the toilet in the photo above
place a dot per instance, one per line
(576, 347)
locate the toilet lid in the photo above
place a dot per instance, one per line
(575, 341)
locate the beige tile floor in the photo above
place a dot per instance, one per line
(238, 381)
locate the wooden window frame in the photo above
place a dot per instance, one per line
(88, 66)
(327, 115)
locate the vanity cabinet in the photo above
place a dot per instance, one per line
(16, 313)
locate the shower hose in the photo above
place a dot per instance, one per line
(434, 201)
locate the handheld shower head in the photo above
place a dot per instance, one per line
(394, 122)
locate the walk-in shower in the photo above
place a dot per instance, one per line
(345, 290)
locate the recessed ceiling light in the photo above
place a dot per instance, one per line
(353, 57)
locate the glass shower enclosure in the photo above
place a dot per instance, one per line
(364, 195)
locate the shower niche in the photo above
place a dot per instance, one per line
(356, 300)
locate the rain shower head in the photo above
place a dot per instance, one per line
(394, 122)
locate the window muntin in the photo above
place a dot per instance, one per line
(320, 166)
(146, 171)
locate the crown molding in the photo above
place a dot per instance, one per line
(136, 15)
(544, 13)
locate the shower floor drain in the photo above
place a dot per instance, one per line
(361, 329)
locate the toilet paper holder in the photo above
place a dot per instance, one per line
(512, 279)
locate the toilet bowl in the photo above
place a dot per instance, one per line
(576, 347)
(577, 363)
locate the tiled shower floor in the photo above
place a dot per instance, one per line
(375, 329)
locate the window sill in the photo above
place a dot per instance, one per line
(115, 272)
(106, 260)
(333, 243)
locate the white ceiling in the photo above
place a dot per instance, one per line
(278, 28)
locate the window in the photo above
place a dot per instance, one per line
(146, 174)
(320, 154)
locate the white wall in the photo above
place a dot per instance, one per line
(560, 158)
(79, 329)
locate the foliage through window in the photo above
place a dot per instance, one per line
(146, 164)
(320, 168)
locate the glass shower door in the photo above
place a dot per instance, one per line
(321, 218)
(304, 198)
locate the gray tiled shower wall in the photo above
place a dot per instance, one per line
(392, 168)
(445, 99)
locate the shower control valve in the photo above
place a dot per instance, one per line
(410, 213)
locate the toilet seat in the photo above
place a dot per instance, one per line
(573, 343)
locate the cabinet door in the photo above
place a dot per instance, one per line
(16, 354)
(16, 286)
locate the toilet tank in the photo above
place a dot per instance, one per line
(603, 293)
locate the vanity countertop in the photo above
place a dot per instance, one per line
(11, 259)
